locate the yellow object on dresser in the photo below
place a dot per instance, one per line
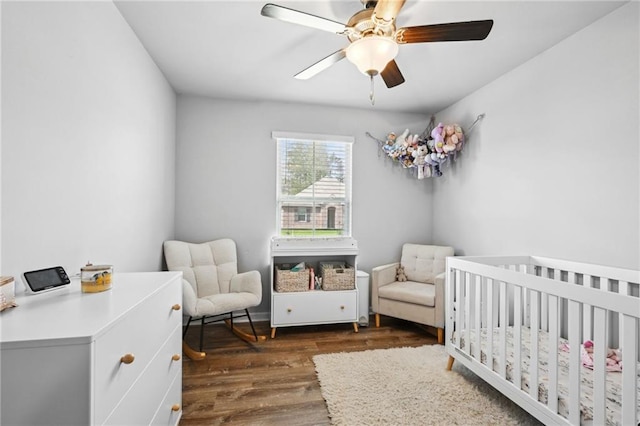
(95, 278)
(7, 293)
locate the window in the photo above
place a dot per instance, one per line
(303, 214)
(313, 185)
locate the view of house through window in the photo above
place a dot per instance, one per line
(314, 185)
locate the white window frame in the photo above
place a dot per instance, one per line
(348, 199)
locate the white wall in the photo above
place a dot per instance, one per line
(226, 167)
(553, 168)
(88, 141)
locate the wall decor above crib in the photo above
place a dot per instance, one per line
(427, 152)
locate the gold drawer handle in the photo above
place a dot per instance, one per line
(175, 407)
(289, 310)
(127, 359)
(342, 307)
(176, 307)
(176, 357)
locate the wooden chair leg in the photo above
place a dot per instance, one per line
(184, 333)
(450, 363)
(201, 333)
(243, 335)
(441, 336)
(251, 323)
(377, 320)
(192, 354)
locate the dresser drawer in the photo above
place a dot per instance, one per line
(141, 333)
(170, 409)
(141, 403)
(314, 307)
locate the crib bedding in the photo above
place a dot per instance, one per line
(613, 379)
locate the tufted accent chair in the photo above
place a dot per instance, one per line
(419, 299)
(211, 285)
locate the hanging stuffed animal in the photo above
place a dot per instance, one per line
(389, 143)
(438, 138)
(435, 160)
(419, 159)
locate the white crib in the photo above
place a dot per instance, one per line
(502, 312)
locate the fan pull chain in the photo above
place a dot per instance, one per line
(371, 94)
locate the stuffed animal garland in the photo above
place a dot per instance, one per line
(428, 154)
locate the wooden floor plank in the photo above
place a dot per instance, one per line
(274, 382)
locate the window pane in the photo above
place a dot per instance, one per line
(314, 188)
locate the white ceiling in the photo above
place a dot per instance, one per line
(226, 49)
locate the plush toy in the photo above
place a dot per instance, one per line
(400, 276)
(450, 139)
(438, 137)
(434, 160)
(391, 140)
(407, 161)
(453, 138)
(419, 156)
(613, 360)
(412, 141)
(401, 141)
(460, 136)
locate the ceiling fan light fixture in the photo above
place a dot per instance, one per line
(371, 54)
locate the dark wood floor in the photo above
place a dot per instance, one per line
(274, 382)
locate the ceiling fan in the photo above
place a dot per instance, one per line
(374, 38)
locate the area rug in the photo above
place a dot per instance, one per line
(410, 386)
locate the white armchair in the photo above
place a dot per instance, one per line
(211, 285)
(420, 299)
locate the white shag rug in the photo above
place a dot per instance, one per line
(410, 386)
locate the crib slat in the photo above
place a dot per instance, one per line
(483, 297)
(533, 366)
(502, 352)
(544, 272)
(587, 310)
(527, 269)
(554, 310)
(610, 283)
(517, 336)
(468, 312)
(496, 303)
(450, 305)
(459, 305)
(574, 362)
(490, 323)
(623, 288)
(477, 280)
(599, 360)
(630, 372)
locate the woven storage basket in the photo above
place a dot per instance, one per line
(337, 276)
(288, 280)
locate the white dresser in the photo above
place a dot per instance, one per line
(73, 358)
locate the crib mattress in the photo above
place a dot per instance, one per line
(613, 379)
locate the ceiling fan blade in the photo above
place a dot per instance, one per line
(391, 75)
(301, 18)
(453, 31)
(387, 10)
(321, 65)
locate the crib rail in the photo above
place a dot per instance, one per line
(562, 301)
